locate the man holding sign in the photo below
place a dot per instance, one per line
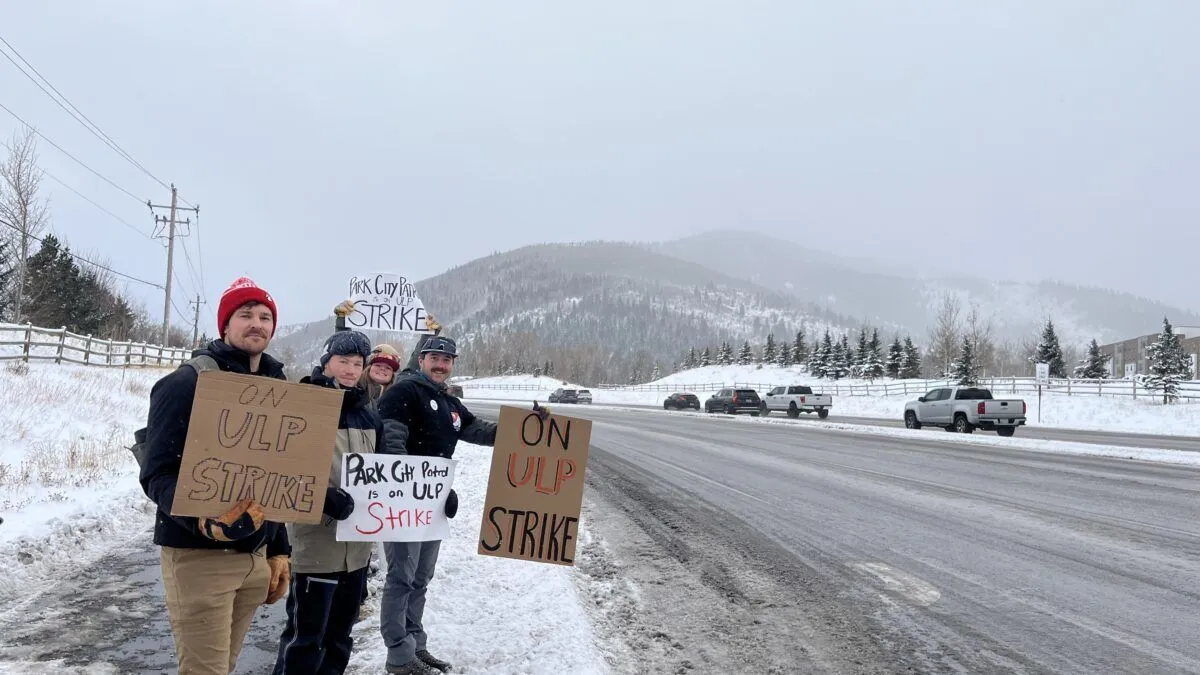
(420, 418)
(216, 571)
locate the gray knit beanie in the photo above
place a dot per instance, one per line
(346, 343)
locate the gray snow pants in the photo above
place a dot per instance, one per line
(409, 570)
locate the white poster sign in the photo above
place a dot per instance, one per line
(386, 302)
(1043, 373)
(396, 497)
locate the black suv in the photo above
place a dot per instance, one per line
(680, 401)
(733, 401)
(564, 396)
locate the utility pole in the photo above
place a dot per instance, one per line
(196, 321)
(169, 233)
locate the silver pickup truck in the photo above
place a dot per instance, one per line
(796, 399)
(965, 409)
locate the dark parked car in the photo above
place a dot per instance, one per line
(733, 401)
(681, 401)
(564, 396)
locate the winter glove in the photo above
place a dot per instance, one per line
(451, 504)
(280, 566)
(344, 308)
(338, 503)
(432, 323)
(542, 413)
(239, 522)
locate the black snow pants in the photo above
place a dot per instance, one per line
(321, 611)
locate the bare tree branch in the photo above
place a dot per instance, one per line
(20, 179)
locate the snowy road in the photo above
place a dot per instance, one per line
(793, 549)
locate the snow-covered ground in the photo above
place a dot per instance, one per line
(1081, 409)
(69, 495)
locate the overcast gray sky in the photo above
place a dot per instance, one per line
(413, 136)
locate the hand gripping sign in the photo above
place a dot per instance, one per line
(396, 497)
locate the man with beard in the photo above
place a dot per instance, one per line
(420, 418)
(216, 571)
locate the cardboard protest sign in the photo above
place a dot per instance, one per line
(396, 497)
(261, 438)
(386, 302)
(535, 490)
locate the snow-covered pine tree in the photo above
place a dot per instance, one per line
(706, 358)
(635, 377)
(783, 355)
(725, 356)
(768, 352)
(872, 367)
(895, 358)
(910, 367)
(537, 372)
(1049, 351)
(821, 357)
(1093, 366)
(965, 369)
(656, 375)
(858, 360)
(799, 348)
(841, 358)
(746, 356)
(690, 361)
(1168, 364)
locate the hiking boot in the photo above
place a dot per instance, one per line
(432, 661)
(414, 667)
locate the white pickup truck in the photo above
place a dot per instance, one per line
(795, 399)
(965, 409)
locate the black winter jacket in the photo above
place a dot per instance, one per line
(166, 432)
(420, 418)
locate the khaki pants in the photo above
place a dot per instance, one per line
(211, 598)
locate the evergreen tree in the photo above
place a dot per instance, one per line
(840, 358)
(768, 353)
(783, 355)
(656, 375)
(706, 358)
(537, 372)
(895, 359)
(1168, 364)
(746, 356)
(691, 360)
(872, 366)
(858, 361)
(1049, 351)
(1094, 365)
(965, 369)
(635, 377)
(725, 357)
(799, 348)
(821, 358)
(8, 266)
(910, 367)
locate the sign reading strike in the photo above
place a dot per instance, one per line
(396, 497)
(386, 302)
(257, 438)
(535, 490)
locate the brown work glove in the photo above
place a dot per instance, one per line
(432, 323)
(280, 566)
(239, 522)
(344, 308)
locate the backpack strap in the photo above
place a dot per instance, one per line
(200, 364)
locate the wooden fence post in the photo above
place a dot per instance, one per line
(28, 339)
(62, 342)
(87, 350)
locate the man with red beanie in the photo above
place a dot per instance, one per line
(216, 571)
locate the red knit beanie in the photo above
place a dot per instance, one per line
(242, 291)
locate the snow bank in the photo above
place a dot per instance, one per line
(1082, 409)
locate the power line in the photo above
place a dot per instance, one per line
(85, 260)
(60, 149)
(78, 115)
